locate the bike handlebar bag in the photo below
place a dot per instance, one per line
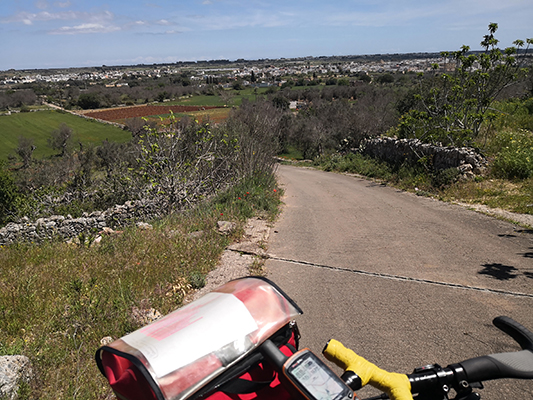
(179, 354)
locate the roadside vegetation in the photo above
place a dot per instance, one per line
(57, 301)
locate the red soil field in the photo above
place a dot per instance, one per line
(122, 113)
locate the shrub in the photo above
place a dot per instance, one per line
(514, 114)
(445, 177)
(355, 163)
(89, 101)
(10, 197)
(514, 159)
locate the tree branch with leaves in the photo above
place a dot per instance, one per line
(450, 107)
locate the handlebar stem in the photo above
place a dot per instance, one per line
(432, 376)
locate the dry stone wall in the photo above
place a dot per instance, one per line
(396, 151)
(65, 228)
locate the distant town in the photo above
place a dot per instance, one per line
(267, 71)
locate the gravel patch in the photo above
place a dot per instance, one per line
(237, 258)
(521, 219)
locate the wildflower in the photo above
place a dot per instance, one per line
(238, 198)
(221, 213)
(275, 190)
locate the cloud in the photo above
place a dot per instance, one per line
(28, 18)
(62, 4)
(89, 22)
(84, 29)
(41, 4)
(163, 33)
(253, 19)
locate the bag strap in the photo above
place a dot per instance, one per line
(244, 386)
(224, 382)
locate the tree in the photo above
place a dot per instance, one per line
(136, 125)
(89, 101)
(25, 150)
(61, 138)
(181, 164)
(226, 96)
(281, 102)
(237, 86)
(450, 107)
(84, 171)
(385, 78)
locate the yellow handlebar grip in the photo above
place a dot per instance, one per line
(397, 386)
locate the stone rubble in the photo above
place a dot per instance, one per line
(13, 371)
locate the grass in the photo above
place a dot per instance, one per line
(57, 301)
(198, 100)
(215, 115)
(510, 195)
(215, 100)
(39, 125)
(292, 153)
(514, 196)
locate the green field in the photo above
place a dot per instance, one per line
(206, 100)
(39, 125)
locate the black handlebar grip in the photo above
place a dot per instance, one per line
(518, 332)
(514, 365)
(517, 365)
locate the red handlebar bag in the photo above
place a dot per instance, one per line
(206, 348)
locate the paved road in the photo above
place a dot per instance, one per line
(403, 280)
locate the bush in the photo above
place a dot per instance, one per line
(445, 177)
(513, 113)
(10, 197)
(450, 108)
(355, 163)
(514, 159)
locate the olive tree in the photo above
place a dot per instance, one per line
(25, 150)
(60, 138)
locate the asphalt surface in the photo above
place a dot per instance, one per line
(403, 280)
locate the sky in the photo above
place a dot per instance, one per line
(75, 33)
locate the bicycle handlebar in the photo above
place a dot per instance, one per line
(514, 365)
(397, 386)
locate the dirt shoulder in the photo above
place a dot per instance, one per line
(525, 220)
(238, 259)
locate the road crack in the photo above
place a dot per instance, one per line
(400, 278)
